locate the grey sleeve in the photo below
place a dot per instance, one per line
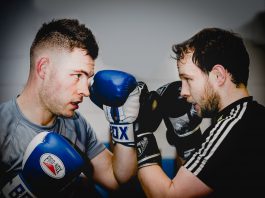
(91, 143)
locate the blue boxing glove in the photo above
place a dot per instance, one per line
(117, 93)
(50, 164)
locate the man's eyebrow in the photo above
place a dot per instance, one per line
(84, 72)
(185, 75)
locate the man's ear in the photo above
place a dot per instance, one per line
(41, 66)
(219, 74)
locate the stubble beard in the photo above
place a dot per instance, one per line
(49, 98)
(210, 102)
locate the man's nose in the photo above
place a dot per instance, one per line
(84, 88)
(184, 90)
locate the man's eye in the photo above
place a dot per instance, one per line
(78, 76)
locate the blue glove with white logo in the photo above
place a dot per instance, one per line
(50, 164)
(117, 93)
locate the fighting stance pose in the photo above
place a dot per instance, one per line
(213, 67)
(45, 143)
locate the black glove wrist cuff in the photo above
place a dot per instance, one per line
(147, 150)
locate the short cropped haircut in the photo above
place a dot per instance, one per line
(66, 34)
(213, 46)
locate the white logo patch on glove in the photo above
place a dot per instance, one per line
(121, 118)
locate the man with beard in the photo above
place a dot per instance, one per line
(213, 66)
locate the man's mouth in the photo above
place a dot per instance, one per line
(196, 106)
(75, 105)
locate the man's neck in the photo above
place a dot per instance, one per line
(33, 109)
(232, 95)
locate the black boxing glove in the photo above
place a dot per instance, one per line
(149, 118)
(181, 120)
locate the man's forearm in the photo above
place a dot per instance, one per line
(124, 163)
